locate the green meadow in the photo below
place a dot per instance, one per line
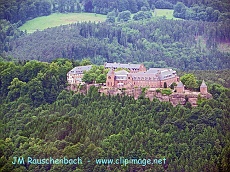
(164, 12)
(57, 19)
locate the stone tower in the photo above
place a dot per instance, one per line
(110, 78)
(180, 87)
(203, 88)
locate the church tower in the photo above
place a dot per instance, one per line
(203, 88)
(110, 78)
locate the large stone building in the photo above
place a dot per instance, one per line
(154, 77)
(133, 76)
(74, 76)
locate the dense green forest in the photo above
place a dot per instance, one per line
(185, 45)
(221, 77)
(8, 32)
(212, 11)
(39, 120)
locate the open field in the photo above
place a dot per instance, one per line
(57, 19)
(164, 12)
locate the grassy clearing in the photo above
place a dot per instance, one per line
(164, 12)
(57, 19)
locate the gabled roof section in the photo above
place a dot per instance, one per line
(155, 70)
(80, 69)
(120, 65)
(203, 84)
(166, 74)
(121, 72)
(143, 74)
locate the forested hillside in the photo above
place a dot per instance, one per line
(93, 126)
(8, 32)
(211, 11)
(165, 42)
(186, 45)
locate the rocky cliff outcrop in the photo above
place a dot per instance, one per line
(174, 98)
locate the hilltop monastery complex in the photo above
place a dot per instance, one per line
(133, 76)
